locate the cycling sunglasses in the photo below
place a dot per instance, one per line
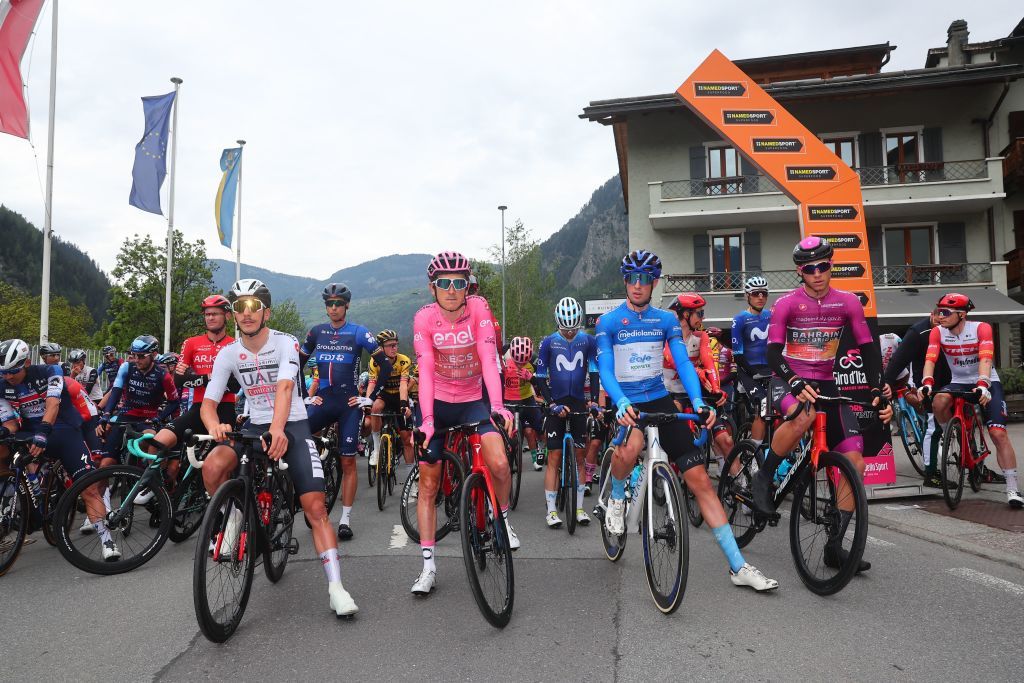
(945, 312)
(639, 278)
(247, 305)
(699, 313)
(762, 292)
(816, 268)
(335, 303)
(138, 356)
(459, 283)
(8, 373)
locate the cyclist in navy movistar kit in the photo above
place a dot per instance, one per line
(630, 343)
(109, 367)
(750, 348)
(563, 362)
(337, 346)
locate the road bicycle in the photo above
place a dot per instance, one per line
(963, 447)
(454, 461)
(391, 448)
(566, 497)
(707, 450)
(330, 460)
(911, 426)
(249, 519)
(653, 493)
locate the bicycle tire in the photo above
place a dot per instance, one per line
(218, 631)
(332, 479)
(383, 462)
(396, 456)
(740, 515)
(911, 446)
(485, 546)
(816, 510)
(371, 470)
(571, 491)
(614, 545)
(952, 471)
(673, 531)
(13, 520)
(188, 505)
(55, 488)
(515, 466)
(279, 532)
(81, 550)
(976, 473)
(453, 478)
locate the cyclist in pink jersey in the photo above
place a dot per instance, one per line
(457, 357)
(803, 339)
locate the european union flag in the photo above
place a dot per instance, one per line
(151, 154)
(224, 205)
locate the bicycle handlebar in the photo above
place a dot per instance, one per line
(659, 419)
(192, 439)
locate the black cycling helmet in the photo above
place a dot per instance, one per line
(167, 358)
(811, 249)
(337, 290)
(145, 343)
(107, 350)
(76, 356)
(48, 348)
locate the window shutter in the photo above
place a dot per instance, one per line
(932, 144)
(952, 249)
(698, 163)
(875, 245)
(701, 256)
(752, 250)
(871, 149)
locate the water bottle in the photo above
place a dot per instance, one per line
(783, 469)
(33, 482)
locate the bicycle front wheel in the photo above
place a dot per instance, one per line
(952, 470)
(571, 490)
(383, 464)
(828, 525)
(911, 444)
(57, 483)
(486, 553)
(666, 539)
(223, 567)
(735, 489)
(14, 506)
(614, 545)
(446, 502)
(189, 505)
(371, 470)
(332, 474)
(279, 531)
(137, 520)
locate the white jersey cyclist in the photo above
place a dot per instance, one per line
(889, 342)
(259, 374)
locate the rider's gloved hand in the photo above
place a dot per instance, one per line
(39, 440)
(622, 405)
(927, 390)
(556, 409)
(427, 429)
(707, 416)
(983, 392)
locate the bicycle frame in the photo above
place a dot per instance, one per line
(902, 407)
(968, 460)
(569, 446)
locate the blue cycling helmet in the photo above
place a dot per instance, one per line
(145, 343)
(641, 261)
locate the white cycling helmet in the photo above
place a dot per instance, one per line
(250, 287)
(755, 284)
(13, 353)
(569, 314)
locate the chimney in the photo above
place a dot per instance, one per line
(955, 42)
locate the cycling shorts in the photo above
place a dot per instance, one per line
(190, 419)
(995, 411)
(530, 415)
(676, 438)
(683, 403)
(842, 432)
(555, 425)
(448, 415)
(113, 442)
(335, 408)
(65, 443)
(93, 441)
(747, 384)
(393, 404)
(304, 466)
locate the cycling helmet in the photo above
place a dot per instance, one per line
(569, 314)
(521, 349)
(13, 354)
(688, 301)
(216, 301)
(960, 302)
(474, 285)
(145, 343)
(311, 362)
(106, 350)
(76, 356)
(715, 332)
(385, 336)
(167, 358)
(48, 348)
(641, 261)
(811, 249)
(448, 262)
(755, 284)
(250, 287)
(337, 290)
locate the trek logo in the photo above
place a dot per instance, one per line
(847, 270)
(844, 241)
(832, 213)
(564, 364)
(746, 117)
(810, 173)
(627, 335)
(773, 145)
(460, 338)
(719, 90)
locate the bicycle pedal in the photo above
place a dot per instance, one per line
(773, 519)
(293, 546)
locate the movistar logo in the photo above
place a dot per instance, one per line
(758, 334)
(564, 364)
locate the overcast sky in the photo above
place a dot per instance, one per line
(376, 128)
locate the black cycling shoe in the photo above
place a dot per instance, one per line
(933, 481)
(761, 488)
(990, 477)
(835, 557)
(344, 532)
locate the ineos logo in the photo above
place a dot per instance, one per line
(851, 360)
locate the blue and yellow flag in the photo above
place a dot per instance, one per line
(150, 166)
(224, 206)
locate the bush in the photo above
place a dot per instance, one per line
(1012, 380)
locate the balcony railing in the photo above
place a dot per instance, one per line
(1013, 166)
(870, 176)
(883, 276)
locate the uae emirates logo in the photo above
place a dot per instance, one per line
(719, 89)
(756, 117)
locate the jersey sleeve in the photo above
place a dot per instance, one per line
(309, 345)
(487, 349)
(368, 341)
(55, 385)
(934, 345)
(290, 365)
(779, 320)
(374, 369)
(858, 323)
(737, 334)
(122, 375)
(986, 345)
(219, 376)
(424, 349)
(707, 362)
(170, 391)
(188, 352)
(543, 357)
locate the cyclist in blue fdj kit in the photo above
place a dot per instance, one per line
(630, 340)
(40, 396)
(750, 348)
(562, 364)
(337, 345)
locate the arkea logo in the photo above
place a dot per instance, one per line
(773, 145)
(757, 117)
(720, 89)
(832, 213)
(799, 173)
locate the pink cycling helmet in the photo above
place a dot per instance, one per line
(521, 349)
(448, 262)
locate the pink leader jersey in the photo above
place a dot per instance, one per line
(453, 357)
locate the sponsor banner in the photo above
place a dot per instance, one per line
(880, 466)
(720, 89)
(804, 173)
(842, 240)
(777, 145)
(847, 270)
(832, 213)
(748, 117)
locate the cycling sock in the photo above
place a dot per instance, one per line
(332, 568)
(346, 514)
(589, 469)
(376, 441)
(581, 491)
(844, 521)
(549, 499)
(102, 531)
(427, 549)
(1011, 479)
(771, 463)
(618, 488)
(727, 542)
(106, 498)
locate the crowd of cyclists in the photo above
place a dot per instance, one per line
(640, 359)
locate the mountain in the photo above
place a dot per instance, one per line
(73, 275)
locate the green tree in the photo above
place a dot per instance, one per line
(528, 289)
(19, 317)
(285, 317)
(137, 297)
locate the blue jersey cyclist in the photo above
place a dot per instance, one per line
(563, 362)
(38, 395)
(630, 340)
(750, 347)
(337, 346)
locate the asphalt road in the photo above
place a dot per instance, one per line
(924, 611)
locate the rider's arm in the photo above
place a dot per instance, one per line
(114, 396)
(308, 347)
(870, 351)
(171, 394)
(55, 387)
(931, 356)
(540, 377)
(215, 391)
(986, 354)
(737, 346)
(606, 361)
(290, 368)
(687, 373)
(707, 363)
(488, 351)
(901, 358)
(90, 380)
(424, 349)
(384, 371)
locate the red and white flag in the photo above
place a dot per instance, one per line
(17, 19)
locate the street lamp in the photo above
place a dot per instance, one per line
(504, 330)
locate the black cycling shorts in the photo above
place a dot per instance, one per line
(676, 438)
(304, 466)
(190, 419)
(555, 425)
(842, 432)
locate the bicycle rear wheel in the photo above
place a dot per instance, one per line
(221, 580)
(332, 470)
(911, 444)
(55, 486)
(733, 490)
(14, 505)
(140, 532)
(666, 539)
(571, 490)
(952, 470)
(486, 553)
(383, 462)
(977, 473)
(371, 470)
(827, 542)
(446, 502)
(279, 531)
(189, 505)
(515, 467)
(614, 545)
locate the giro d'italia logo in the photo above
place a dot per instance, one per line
(719, 89)
(748, 117)
(832, 213)
(777, 145)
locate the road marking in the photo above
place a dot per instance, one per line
(880, 543)
(399, 539)
(902, 507)
(987, 580)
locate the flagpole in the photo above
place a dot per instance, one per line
(170, 219)
(44, 294)
(238, 230)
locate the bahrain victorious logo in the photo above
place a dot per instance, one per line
(564, 364)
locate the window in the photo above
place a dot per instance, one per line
(723, 171)
(727, 261)
(845, 148)
(910, 255)
(903, 156)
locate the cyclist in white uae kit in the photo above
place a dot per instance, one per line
(266, 363)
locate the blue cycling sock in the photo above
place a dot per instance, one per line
(618, 488)
(727, 542)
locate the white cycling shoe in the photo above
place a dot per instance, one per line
(143, 497)
(111, 553)
(373, 458)
(553, 520)
(582, 518)
(1014, 499)
(231, 532)
(513, 539)
(87, 527)
(749, 575)
(615, 518)
(341, 602)
(424, 583)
